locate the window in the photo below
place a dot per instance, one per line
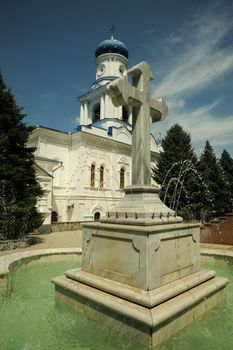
(96, 113)
(122, 69)
(93, 175)
(122, 178)
(97, 216)
(54, 217)
(101, 176)
(125, 114)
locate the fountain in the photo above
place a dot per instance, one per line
(185, 166)
(140, 269)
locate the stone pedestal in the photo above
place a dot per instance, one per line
(142, 257)
(145, 281)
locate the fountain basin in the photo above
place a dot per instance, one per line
(46, 326)
(9, 262)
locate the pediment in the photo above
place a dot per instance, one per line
(122, 134)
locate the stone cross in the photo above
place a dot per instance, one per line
(143, 106)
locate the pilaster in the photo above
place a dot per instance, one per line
(102, 106)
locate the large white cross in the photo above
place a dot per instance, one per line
(143, 106)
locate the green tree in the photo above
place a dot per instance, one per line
(182, 187)
(19, 189)
(213, 176)
(226, 163)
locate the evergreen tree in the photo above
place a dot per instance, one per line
(226, 163)
(212, 173)
(19, 189)
(182, 187)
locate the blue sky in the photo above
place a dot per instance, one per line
(47, 59)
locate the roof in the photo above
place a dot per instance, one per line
(111, 46)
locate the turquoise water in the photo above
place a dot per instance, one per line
(29, 319)
(215, 330)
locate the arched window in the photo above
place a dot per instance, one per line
(122, 178)
(92, 175)
(125, 114)
(97, 216)
(101, 176)
(96, 113)
(54, 216)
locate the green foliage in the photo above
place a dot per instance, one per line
(19, 189)
(195, 189)
(226, 164)
(212, 172)
(182, 186)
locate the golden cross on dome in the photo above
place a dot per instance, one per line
(112, 30)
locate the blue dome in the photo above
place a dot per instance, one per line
(111, 46)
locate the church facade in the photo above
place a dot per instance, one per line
(83, 172)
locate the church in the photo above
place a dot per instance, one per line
(83, 172)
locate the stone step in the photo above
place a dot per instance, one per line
(149, 326)
(139, 296)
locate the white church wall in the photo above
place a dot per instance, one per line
(85, 199)
(56, 147)
(73, 197)
(44, 202)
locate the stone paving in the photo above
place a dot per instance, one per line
(213, 246)
(55, 243)
(73, 239)
(67, 239)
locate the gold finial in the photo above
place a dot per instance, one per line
(112, 30)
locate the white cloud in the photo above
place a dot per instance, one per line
(200, 58)
(196, 74)
(75, 120)
(196, 56)
(203, 123)
(176, 103)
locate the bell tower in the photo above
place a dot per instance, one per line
(111, 63)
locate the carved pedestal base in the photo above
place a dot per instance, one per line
(142, 206)
(144, 280)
